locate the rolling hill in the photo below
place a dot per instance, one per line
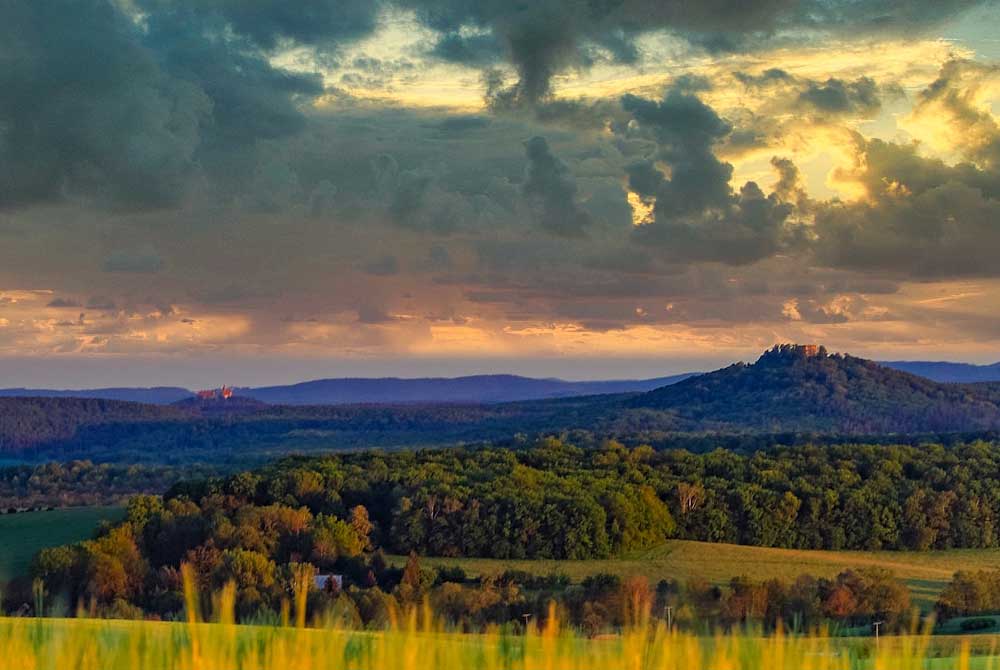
(803, 388)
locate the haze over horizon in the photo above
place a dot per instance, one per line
(193, 193)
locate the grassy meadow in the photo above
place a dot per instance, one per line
(22, 535)
(925, 572)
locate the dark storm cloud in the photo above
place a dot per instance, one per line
(836, 96)
(476, 50)
(830, 98)
(251, 99)
(696, 215)
(766, 78)
(86, 110)
(751, 227)
(271, 23)
(543, 38)
(686, 130)
(130, 110)
(789, 186)
(551, 189)
(867, 16)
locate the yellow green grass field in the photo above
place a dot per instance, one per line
(926, 573)
(62, 644)
(22, 535)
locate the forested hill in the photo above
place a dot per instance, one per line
(798, 388)
(27, 422)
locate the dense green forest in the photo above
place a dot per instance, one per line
(789, 390)
(550, 500)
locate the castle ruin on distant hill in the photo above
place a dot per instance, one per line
(222, 393)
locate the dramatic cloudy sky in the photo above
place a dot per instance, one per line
(253, 191)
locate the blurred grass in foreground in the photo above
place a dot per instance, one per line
(70, 644)
(416, 640)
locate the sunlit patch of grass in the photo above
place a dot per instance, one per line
(926, 573)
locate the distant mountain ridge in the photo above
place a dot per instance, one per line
(944, 371)
(384, 390)
(469, 389)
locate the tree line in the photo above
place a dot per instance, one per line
(556, 500)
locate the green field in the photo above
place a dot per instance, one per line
(926, 573)
(23, 535)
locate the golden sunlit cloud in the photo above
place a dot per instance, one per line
(642, 211)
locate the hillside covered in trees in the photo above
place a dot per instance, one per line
(799, 388)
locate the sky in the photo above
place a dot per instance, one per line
(199, 192)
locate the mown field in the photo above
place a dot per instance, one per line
(926, 573)
(22, 535)
(54, 644)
